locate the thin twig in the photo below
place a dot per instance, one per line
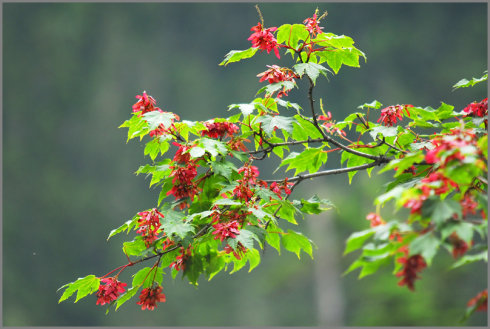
(334, 171)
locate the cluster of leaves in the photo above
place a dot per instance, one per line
(441, 178)
(215, 211)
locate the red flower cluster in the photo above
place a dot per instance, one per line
(145, 104)
(438, 183)
(411, 266)
(219, 129)
(109, 291)
(448, 147)
(312, 25)
(183, 185)
(150, 296)
(281, 187)
(327, 117)
(236, 144)
(149, 225)
(460, 247)
(435, 183)
(161, 130)
(182, 155)
(243, 190)
(277, 74)
(226, 230)
(179, 263)
(264, 39)
(329, 125)
(468, 205)
(375, 219)
(183, 176)
(477, 109)
(390, 114)
(481, 299)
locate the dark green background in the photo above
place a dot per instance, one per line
(71, 72)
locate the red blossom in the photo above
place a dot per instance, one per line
(438, 183)
(161, 130)
(390, 114)
(449, 147)
(243, 190)
(312, 25)
(481, 300)
(182, 155)
(250, 174)
(220, 129)
(282, 187)
(149, 225)
(468, 205)
(411, 266)
(477, 109)
(183, 175)
(223, 231)
(277, 74)
(109, 291)
(375, 219)
(331, 129)
(236, 144)
(180, 260)
(460, 247)
(415, 205)
(327, 117)
(150, 296)
(145, 104)
(264, 39)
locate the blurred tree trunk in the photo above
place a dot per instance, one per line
(327, 272)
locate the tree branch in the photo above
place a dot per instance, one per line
(334, 171)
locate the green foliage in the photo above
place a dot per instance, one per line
(238, 55)
(83, 286)
(296, 242)
(463, 83)
(222, 211)
(312, 70)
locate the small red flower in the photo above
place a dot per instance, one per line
(481, 299)
(180, 260)
(220, 129)
(109, 291)
(277, 74)
(149, 225)
(145, 104)
(449, 147)
(226, 230)
(312, 25)
(181, 155)
(411, 266)
(149, 298)
(331, 129)
(375, 219)
(438, 183)
(327, 117)
(468, 205)
(236, 144)
(390, 114)
(250, 174)
(477, 109)
(264, 39)
(415, 205)
(460, 247)
(279, 188)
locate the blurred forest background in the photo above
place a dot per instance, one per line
(71, 72)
